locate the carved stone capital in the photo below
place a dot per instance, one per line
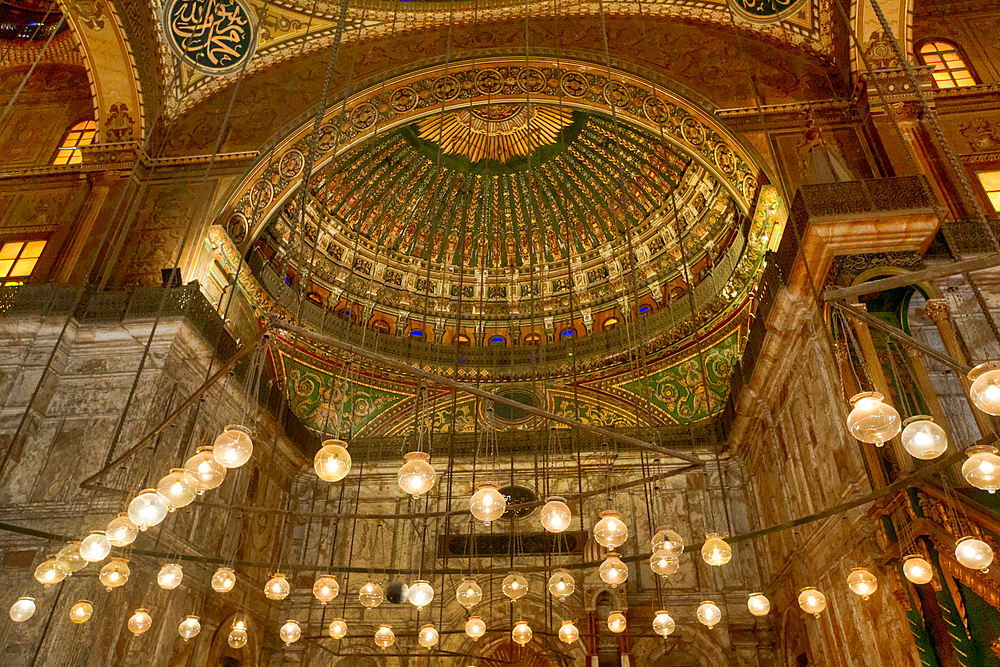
(937, 310)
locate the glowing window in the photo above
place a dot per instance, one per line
(610, 323)
(381, 326)
(950, 70)
(532, 339)
(418, 333)
(498, 341)
(567, 333)
(18, 258)
(645, 308)
(990, 181)
(81, 134)
(461, 340)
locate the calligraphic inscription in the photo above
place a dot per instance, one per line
(766, 11)
(215, 37)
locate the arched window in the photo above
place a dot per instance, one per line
(567, 333)
(610, 323)
(498, 341)
(950, 69)
(461, 340)
(417, 333)
(533, 339)
(645, 308)
(81, 134)
(381, 326)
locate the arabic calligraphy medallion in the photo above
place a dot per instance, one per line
(214, 37)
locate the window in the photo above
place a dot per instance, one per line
(990, 180)
(950, 70)
(381, 326)
(645, 308)
(18, 258)
(567, 333)
(498, 341)
(81, 134)
(533, 339)
(610, 323)
(418, 333)
(461, 340)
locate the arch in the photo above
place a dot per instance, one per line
(381, 326)
(461, 340)
(952, 68)
(878, 49)
(79, 135)
(498, 341)
(531, 339)
(610, 323)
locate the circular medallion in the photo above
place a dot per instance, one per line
(261, 193)
(364, 116)
(531, 80)
(291, 164)
(216, 37)
(616, 94)
(516, 495)
(574, 84)
(693, 131)
(489, 82)
(237, 228)
(446, 88)
(724, 158)
(766, 11)
(655, 109)
(403, 99)
(749, 186)
(327, 137)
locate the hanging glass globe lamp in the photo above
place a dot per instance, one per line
(663, 624)
(985, 389)
(871, 420)
(487, 503)
(332, 461)
(371, 595)
(668, 540)
(420, 594)
(663, 563)
(179, 488)
(326, 588)
(923, 439)
(758, 604)
(189, 627)
(417, 475)
(917, 569)
(122, 531)
(95, 547)
(812, 601)
(140, 622)
(475, 627)
(716, 551)
(115, 573)
(22, 610)
(982, 468)
(610, 531)
(81, 612)
(50, 571)
(973, 554)
(613, 571)
(427, 636)
(223, 580)
(290, 632)
(617, 622)
(568, 632)
(70, 558)
(147, 509)
(170, 576)
(515, 586)
(561, 584)
(338, 628)
(556, 515)
(277, 587)
(469, 593)
(521, 634)
(862, 582)
(709, 614)
(384, 638)
(233, 447)
(207, 472)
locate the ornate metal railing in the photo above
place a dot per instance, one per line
(860, 199)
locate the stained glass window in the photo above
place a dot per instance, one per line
(81, 134)
(18, 258)
(990, 180)
(950, 70)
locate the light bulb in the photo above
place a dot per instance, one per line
(469, 593)
(973, 554)
(613, 571)
(22, 610)
(122, 531)
(871, 420)
(81, 612)
(663, 624)
(487, 504)
(716, 551)
(277, 587)
(416, 476)
(95, 547)
(50, 571)
(427, 636)
(862, 582)
(515, 586)
(233, 447)
(371, 595)
(338, 628)
(421, 594)
(556, 515)
(561, 584)
(384, 638)
(812, 601)
(568, 632)
(70, 558)
(189, 627)
(326, 588)
(237, 638)
(521, 634)
(147, 509)
(616, 622)
(663, 563)
(985, 389)
(207, 472)
(115, 573)
(475, 627)
(290, 632)
(758, 604)
(170, 576)
(610, 531)
(140, 622)
(917, 570)
(332, 461)
(709, 614)
(179, 488)
(668, 540)
(923, 439)
(223, 580)
(982, 468)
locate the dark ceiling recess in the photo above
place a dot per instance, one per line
(30, 19)
(526, 544)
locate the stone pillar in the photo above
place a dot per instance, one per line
(101, 184)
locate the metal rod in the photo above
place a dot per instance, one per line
(977, 264)
(892, 331)
(475, 391)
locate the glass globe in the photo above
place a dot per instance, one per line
(115, 573)
(923, 439)
(487, 504)
(371, 595)
(475, 627)
(616, 622)
(716, 551)
(973, 554)
(70, 558)
(95, 547)
(178, 488)
(709, 614)
(384, 638)
(610, 531)
(277, 587)
(561, 584)
(666, 539)
(871, 420)
(664, 564)
(427, 636)
(982, 468)
(985, 389)
(421, 594)
(81, 612)
(207, 472)
(515, 586)
(147, 509)
(326, 588)
(397, 592)
(663, 624)
(338, 628)
(22, 610)
(812, 601)
(917, 570)
(170, 576)
(223, 580)
(556, 515)
(140, 622)
(122, 531)
(758, 604)
(568, 632)
(332, 461)
(613, 571)
(521, 634)
(50, 571)
(189, 627)
(237, 638)
(290, 632)
(862, 582)
(233, 447)
(469, 593)
(416, 476)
